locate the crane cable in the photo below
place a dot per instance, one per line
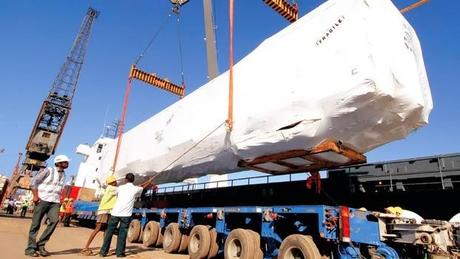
(229, 121)
(155, 35)
(129, 84)
(181, 61)
(127, 93)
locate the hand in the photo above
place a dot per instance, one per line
(36, 200)
(147, 183)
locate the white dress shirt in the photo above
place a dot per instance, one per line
(127, 194)
(49, 183)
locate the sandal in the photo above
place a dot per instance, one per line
(87, 252)
(32, 254)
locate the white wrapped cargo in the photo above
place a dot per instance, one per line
(351, 70)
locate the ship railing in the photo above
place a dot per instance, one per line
(245, 181)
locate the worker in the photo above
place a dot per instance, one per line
(103, 212)
(46, 188)
(62, 210)
(121, 213)
(68, 212)
(24, 207)
(10, 208)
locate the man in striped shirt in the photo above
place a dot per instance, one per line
(46, 188)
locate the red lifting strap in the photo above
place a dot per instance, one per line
(122, 124)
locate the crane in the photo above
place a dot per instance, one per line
(210, 36)
(54, 111)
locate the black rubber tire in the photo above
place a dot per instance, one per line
(200, 240)
(150, 235)
(159, 242)
(141, 235)
(134, 231)
(298, 246)
(183, 243)
(258, 254)
(213, 246)
(172, 238)
(239, 244)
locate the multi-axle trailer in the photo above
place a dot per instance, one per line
(292, 231)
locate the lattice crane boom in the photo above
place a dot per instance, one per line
(55, 109)
(66, 81)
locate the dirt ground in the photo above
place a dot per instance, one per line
(66, 242)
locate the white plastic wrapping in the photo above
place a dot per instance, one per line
(350, 70)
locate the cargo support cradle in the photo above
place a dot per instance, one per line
(328, 154)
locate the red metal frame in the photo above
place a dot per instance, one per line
(313, 162)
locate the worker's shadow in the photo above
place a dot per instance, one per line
(68, 251)
(130, 250)
(135, 249)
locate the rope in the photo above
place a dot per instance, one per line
(122, 124)
(187, 151)
(163, 23)
(181, 61)
(414, 5)
(230, 76)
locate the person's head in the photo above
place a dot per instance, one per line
(61, 161)
(129, 177)
(111, 180)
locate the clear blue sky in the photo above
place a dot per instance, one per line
(37, 35)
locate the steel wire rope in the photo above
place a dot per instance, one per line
(179, 38)
(163, 23)
(128, 91)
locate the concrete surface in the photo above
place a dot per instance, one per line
(66, 242)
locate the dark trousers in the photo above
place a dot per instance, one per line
(43, 208)
(23, 211)
(122, 233)
(67, 218)
(10, 209)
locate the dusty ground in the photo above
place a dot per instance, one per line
(66, 242)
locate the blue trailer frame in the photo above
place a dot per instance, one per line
(326, 222)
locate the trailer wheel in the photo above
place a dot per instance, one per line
(141, 235)
(171, 238)
(160, 237)
(214, 246)
(150, 235)
(183, 243)
(199, 243)
(258, 254)
(298, 246)
(134, 230)
(239, 244)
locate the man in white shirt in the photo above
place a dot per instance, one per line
(121, 213)
(46, 188)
